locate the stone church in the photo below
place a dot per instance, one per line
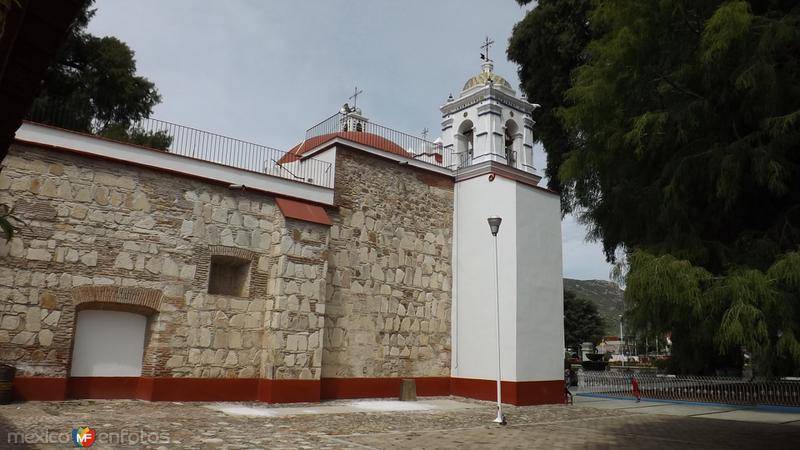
(224, 270)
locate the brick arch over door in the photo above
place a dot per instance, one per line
(94, 301)
(131, 299)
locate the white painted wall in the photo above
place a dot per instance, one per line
(108, 344)
(531, 305)
(540, 301)
(71, 141)
(473, 313)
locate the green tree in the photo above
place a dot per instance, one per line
(548, 45)
(8, 222)
(683, 124)
(93, 87)
(582, 321)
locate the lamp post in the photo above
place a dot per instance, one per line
(494, 226)
(622, 342)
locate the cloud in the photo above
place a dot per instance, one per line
(265, 71)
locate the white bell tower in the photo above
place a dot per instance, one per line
(488, 122)
(489, 131)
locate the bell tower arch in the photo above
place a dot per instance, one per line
(489, 114)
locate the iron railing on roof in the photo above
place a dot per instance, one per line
(728, 390)
(189, 142)
(375, 136)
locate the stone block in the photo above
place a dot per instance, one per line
(24, 338)
(123, 261)
(205, 337)
(174, 361)
(33, 319)
(10, 322)
(219, 215)
(195, 355)
(38, 254)
(89, 259)
(235, 339)
(188, 272)
(408, 390)
(231, 360)
(45, 338)
(169, 267)
(302, 342)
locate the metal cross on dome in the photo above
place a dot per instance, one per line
(354, 97)
(486, 44)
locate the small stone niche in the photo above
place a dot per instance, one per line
(228, 275)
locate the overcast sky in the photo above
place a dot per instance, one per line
(266, 70)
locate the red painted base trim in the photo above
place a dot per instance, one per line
(289, 391)
(102, 387)
(335, 388)
(278, 391)
(201, 389)
(518, 393)
(40, 388)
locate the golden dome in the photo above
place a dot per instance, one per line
(481, 79)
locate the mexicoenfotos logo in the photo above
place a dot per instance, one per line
(83, 436)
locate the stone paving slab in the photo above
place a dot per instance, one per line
(680, 410)
(355, 406)
(721, 412)
(463, 424)
(749, 415)
(614, 404)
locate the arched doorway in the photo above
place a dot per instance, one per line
(108, 344)
(511, 136)
(465, 142)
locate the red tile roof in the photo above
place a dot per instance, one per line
(359, 137)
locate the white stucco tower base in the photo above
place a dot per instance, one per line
(530, 288)
(491, 130)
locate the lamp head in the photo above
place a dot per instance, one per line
(494, 224)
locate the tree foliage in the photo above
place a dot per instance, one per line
(681, 124)
(582, 321)
(8, 222)
(548, 44)
(93, 87)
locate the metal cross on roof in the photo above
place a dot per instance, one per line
(425, 133)
(486, 44)
(354, 97)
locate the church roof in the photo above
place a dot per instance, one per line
(481, 79)
(359, 137)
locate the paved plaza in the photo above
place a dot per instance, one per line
(430, 423)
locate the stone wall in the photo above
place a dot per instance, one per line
(92, 223)
(388, 290)
(295, 313)
(367, 297)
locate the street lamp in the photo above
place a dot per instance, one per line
(494, 227)
(622, 342)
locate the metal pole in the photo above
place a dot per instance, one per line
(622, 342)
(500, 418)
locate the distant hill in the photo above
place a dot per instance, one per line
(605, 294)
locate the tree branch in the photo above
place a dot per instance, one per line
(679, 88)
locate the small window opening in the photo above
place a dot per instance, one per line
(510, 136)
(228, 275)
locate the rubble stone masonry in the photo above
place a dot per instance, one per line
(368, 296)
(389, 279)
(104, 234)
